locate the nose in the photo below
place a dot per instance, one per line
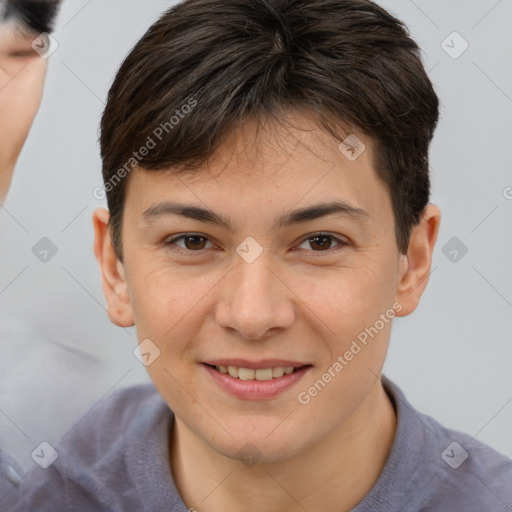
(256, 301)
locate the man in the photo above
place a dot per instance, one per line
(22, 73)
(266, 170)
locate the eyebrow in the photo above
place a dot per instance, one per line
(309, 213)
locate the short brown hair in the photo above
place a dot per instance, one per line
(348, 62)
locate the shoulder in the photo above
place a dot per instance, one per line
(113, 422)
(120, 408)
(468, 469)
(445, 468)
(98, 464)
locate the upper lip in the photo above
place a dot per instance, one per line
(256, 365)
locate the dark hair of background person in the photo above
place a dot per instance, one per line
(36, 15)
(350, 63)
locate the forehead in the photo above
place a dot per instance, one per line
(266, 146)
(260, 149)
(268, 167)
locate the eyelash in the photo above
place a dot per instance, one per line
(172, 241)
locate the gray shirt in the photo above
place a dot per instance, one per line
(116, 459)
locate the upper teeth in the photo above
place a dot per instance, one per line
(251, 374)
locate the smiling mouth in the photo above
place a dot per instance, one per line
(260, 374)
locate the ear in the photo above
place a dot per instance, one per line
(113, 276)
(415, 266)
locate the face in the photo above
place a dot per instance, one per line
(268, 291)
(22, 73)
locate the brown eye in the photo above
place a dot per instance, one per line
(322, 242)
(191, 242)
(194, 242)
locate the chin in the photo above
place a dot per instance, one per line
(251, 452)
(267, 446)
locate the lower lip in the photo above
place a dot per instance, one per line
(255, 389)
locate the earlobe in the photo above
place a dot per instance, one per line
(113, 276)
(415, 266)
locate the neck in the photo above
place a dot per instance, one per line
(333, 475)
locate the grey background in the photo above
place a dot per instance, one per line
(60, 354)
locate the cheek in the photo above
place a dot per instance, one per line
(349, 294)
(167, 300)
(349, 302)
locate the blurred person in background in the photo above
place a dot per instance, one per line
(24, 29)
(22, 74)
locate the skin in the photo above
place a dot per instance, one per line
(296, 300)
(22, 74)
